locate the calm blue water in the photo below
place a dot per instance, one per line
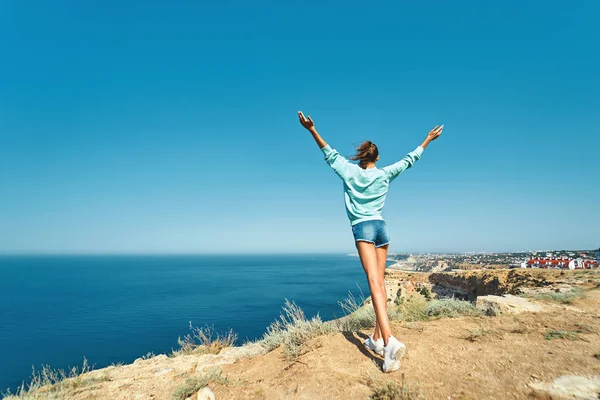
(57, 309)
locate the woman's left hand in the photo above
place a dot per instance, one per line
(435, 133)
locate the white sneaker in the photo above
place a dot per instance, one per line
(392, 354)
(375, 346)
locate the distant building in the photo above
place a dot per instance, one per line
(548, 263)
(562, 263)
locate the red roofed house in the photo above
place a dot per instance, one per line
(562, 263)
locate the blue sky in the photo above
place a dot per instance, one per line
(170, 127)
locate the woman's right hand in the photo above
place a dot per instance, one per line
(308, 123)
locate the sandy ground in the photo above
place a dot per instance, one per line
(441, 362)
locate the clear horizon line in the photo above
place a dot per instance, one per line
(92, 253)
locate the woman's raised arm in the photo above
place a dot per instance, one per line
(338, 163)
(309, 124)
(408, 161)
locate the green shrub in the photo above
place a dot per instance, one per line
(448, 308)
(417, 308)
(398, 300)
(410, 309)
(425, 292)
(552, 334)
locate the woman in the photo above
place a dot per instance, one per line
(365, 188)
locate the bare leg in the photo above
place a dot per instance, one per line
(381, 253)
(368, 257)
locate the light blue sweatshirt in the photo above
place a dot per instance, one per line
(365, 189)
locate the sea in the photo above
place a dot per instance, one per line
(57, 309)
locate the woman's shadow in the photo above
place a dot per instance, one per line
(357, 339)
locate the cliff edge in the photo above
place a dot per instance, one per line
(457, 349)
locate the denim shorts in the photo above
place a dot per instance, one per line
(372, 231)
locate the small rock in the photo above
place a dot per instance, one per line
(163, 371)
(569, 386)
(206, 394)
(496, 305)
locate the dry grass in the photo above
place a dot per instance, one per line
(408, 309)
(415, 326)
(55, 383)
(450, 308)
(552, 334)
(392, 390)
(583, 328)
(194, 384)
(148, 355)
(417, 308)
(561, 297)
(520, 330)
(414, 308)
(476, 334)
(293, 330)
(360, 315)
(204, 340)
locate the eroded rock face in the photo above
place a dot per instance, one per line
(570, 387)
(496, 305)
(415, 265)
(468, 285)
